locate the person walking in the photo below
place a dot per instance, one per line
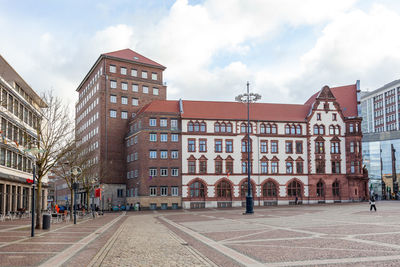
(372, 203)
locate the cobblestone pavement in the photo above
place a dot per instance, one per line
(143, 241)
(305, 235)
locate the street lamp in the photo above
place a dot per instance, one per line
(34, 151)
(75, 172)
(248, 98)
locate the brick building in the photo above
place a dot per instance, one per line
(192, 154)
(153, 156)
(115, 88)
(19, 116)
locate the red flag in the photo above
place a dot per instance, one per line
(97, 192)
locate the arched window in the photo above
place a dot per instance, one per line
(197, 190)
(320, 189)
(294, 189)
(222, 127)
(337, 130)
(196, 127)
(321, 130)
(190, 126)
(287, 129)
(202, 127)
(216, 127)
(268, 129)
(292, 129)
(228, 127)
(269, 189)
(273, 129)
(224, 190)
(298, 129)
(316, 131)
(243, 128)
(243, 189)
(331, 130)
(262, 128)
(335, 189)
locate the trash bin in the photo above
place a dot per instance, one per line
(46, 221)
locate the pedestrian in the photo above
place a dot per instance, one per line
(372, 203)
(296, 200)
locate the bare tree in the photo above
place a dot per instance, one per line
(54, 135)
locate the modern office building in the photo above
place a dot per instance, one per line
(20, 113)
(381, 137)
(115, 88)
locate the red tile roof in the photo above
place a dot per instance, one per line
(128, 54)
(346, 96)
(162, 106)
(235, 110)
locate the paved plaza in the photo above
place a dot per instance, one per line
(304, 235)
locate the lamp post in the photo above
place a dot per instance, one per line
(34, 151)
(247, 98)
(75, 172)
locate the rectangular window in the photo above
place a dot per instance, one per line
(164, 191)
(352, 167)
(124, 100)
(153, 191)
(192, 166)
(113, 113)
(174, 124)
(335, 148)
(299, 167)
(174, 154)
(153, 122)
(203, 166)
(153, 154)
(274, 167)
(274, 146)
(123, 70)
(145, 89)
(218, 166)
(318, 116)
(299, 147)
(289, 167)
(124, 115)
(334, 118)
(135, 102)
(174, 172)
(351, 147)
(218, 145)
(153, 137)
(264, 146)
(164, 154)
(319, 147)
(113, 98)
(289, 146)
(134, 72)
(124, 86)
(113, 68)
(154, 76)
(144, 74)
(163, 122)
(202, 145)
(229, 166)
(164, 172)
(164, 137)
(335, 166)
(113, 84)
(153, 172)
(264, 167)
(191, 145)
(229, 146)
(155, 91)
(174, 191)
(174, 138)
(135, 88)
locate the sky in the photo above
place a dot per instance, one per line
(286, 49)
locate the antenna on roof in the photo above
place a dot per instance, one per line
(180, 106)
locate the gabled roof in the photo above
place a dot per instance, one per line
(346, 96)
(130, 55)
(234, 110)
